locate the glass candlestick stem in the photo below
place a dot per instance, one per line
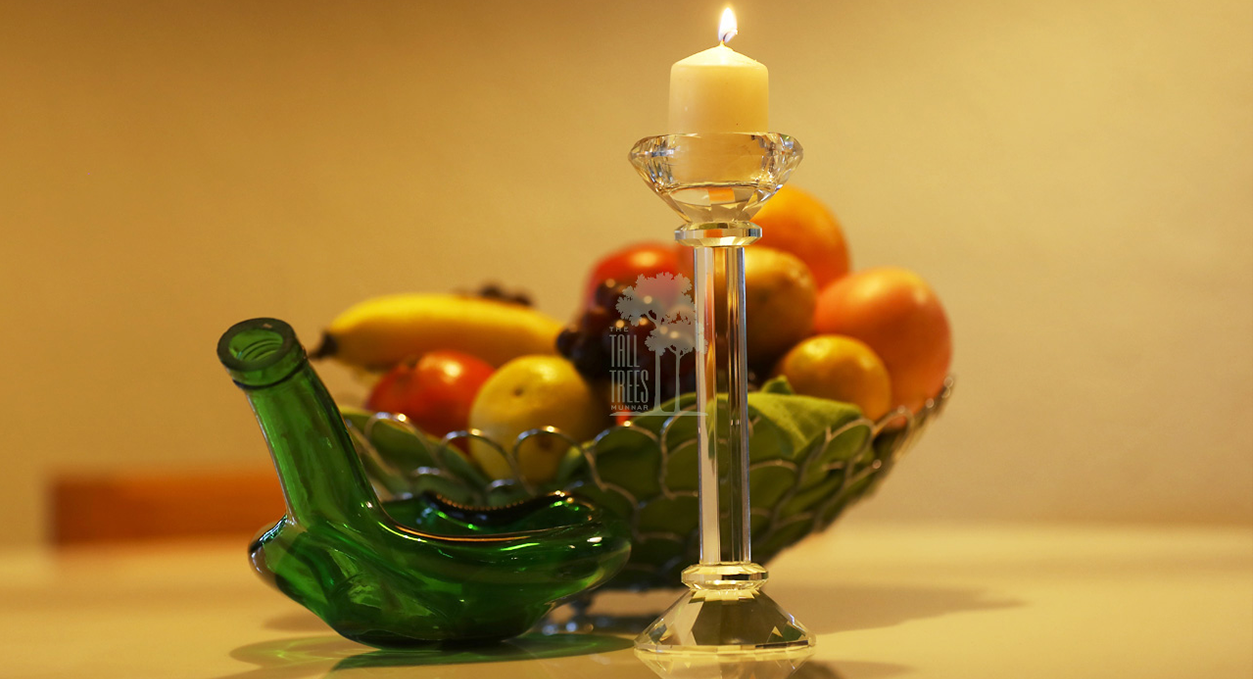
(716, 182)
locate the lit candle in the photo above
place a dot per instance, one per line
(719, 89)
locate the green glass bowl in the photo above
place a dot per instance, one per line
(810, 459)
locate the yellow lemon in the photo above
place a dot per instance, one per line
(527, 393)
(839, 368)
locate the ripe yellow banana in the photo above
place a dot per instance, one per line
(380, 332)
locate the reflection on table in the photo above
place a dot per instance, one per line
(926, 602)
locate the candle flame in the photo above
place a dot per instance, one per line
(727, 28)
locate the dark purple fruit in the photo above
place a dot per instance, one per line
(594, 341)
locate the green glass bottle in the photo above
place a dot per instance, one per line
(411, 571)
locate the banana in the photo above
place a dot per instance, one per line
(380, 332)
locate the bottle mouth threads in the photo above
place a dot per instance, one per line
(260, 352)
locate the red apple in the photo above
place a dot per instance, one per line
(640, 259)
(435, 391)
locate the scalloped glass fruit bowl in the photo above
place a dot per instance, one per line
(810, 459)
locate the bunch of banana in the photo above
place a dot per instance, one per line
(380, 332)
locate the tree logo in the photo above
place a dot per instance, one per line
(662, 304)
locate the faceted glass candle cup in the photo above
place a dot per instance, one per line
(716, 177)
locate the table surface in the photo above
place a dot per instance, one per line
(886, 601)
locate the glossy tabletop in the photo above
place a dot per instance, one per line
(955, 602)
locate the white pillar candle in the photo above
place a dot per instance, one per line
(719, 89)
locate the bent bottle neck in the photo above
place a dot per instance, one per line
(317, 465)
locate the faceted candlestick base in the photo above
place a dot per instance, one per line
(759, 665)
(724, 612)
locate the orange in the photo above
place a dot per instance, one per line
(839, 368)
(780, 297)
(779, 300)
(796, 222)
(899, 316)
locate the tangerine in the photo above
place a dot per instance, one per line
(839, 368)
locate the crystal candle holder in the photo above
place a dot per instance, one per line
(716, 183)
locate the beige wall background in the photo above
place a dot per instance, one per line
(1074, 177)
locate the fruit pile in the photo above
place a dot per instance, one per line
(842, 360)
(877, 338)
